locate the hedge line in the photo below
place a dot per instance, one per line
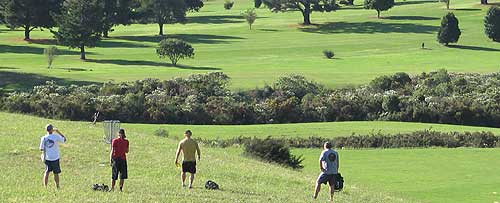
(417, 139)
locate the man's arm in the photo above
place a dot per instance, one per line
(42, 144)
(338, 162)
(177, 154)
(126, 151)
(59, 132)
(321, 165)
(198, 151)
(111, 154)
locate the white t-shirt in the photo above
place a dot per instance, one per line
(49, 143)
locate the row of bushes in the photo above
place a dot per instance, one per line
(436, 97)
(417, 139)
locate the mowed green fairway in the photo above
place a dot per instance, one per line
(365, 47)
(396, 175)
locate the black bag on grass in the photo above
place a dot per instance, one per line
(339, 182)
(211, 185)
(97, 187)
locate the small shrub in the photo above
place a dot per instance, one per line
(175, 49)
(274, 151)
(250, 15)
(228, 4)
(328, 54)
(51, 53)
(160, 132)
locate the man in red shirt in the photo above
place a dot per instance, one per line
(118, 159)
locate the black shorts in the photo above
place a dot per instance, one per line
(327, 178)
(52, 166)
(119, 166)
(189, 167)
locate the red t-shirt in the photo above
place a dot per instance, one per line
(120, 146)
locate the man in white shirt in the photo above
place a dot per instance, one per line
(49, 144)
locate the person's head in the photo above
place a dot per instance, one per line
(49, 128)
(121, 133)
(327, 145)
(188, 133)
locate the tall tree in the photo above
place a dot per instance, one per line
(492, 23)
(449, 32)
(379, 5)
(306, 7)
(163, 12)
(30, 14)
(116, 12)
(80, 24)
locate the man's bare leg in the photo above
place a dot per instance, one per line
(113, 183)
(332, 190)
(318, 188)
(56, 179)
(46, 178)
(183, 178)
(122, 181)
(191, 180)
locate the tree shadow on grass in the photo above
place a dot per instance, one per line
(32, 50)
(147, 63)
(466, 9)
(215, 19)
(401, 3)
(7, 68)
(474, 48)
(369, 28)
(102, 43)
(191, 38)
(26, 81)
(410, 18)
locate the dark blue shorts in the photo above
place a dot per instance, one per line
(189, 167)
(52, 166)
(327, 178)
(119, 167)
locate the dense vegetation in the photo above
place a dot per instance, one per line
(424, 138)
(272, 150)
(436, 97)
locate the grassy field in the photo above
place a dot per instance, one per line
(396, 175)
(365, 47)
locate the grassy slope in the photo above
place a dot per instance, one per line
(153, 177)
(365, 46)
(429, 175)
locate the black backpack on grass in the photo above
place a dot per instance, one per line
(103, 188)
(211, 185)
(339, 182)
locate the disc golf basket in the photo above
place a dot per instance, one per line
(111, 128)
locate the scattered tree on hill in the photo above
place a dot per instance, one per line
(194, 5)
(116, 12)
(228, 4)
(175, 49)
(250, 15)
(492, 24)
(163, 12)
(30, 14)
(449, 32)
(306, 7)
(379, 5)
(80, 24)
(51, 53)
